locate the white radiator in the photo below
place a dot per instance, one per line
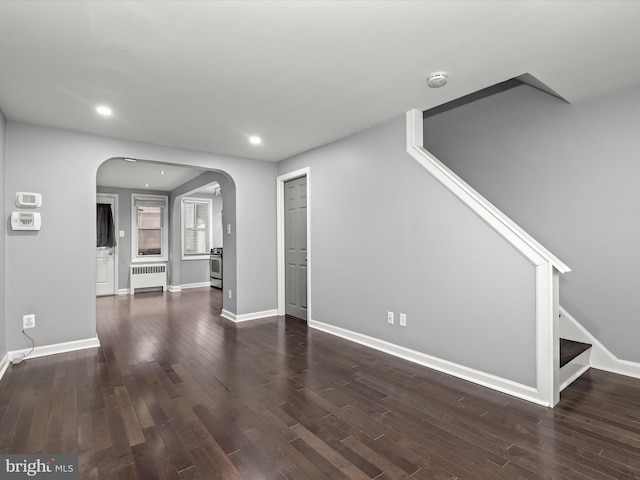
(146, 276)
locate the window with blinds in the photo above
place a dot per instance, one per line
(196, 227)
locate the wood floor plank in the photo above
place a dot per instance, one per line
(214, 455)
(331, 455)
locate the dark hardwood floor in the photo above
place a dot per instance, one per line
(177, 392)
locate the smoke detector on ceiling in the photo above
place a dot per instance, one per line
(437, 79)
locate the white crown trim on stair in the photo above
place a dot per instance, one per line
(521, 240)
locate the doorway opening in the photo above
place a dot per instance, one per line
(185, 252)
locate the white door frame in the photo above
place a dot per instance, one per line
(117, 233)
(303, 172)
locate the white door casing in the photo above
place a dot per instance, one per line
(282, 267)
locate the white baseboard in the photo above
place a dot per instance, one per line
(600, 357)
(245, 317)
(179, 288)
(123, 291)
(4, 363)
(481, 378)
(196, 285)
(57, 348)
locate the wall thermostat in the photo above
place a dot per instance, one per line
(25, 221)
(28, 199)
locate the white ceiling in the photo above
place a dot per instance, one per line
(141, 175)
(205, 75)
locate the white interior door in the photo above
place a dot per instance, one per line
(106, 256)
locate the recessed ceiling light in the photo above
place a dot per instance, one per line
(437, 79)
(162, 172)
(255, 140)
(146, 184)
(104, 110)
(131, 160)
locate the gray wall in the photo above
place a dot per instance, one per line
(124, 223)
(386, 236)
(3, 231)
(197, 271)
(52, 273)
(568, 174)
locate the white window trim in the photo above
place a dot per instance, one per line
(208, 201)
(135, 258)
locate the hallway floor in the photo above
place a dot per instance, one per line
(177, 392)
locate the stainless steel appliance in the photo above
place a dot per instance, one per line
(215, 267)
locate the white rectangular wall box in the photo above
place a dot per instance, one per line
(25, 221)
(28, 321)
(28, 199)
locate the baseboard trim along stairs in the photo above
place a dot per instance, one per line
(488, 380)
(579, 348)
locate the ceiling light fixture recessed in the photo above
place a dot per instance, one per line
(255, 140)
(162, 172)
(104, 110)
(130, 160)
(146, 184)
(437, 79)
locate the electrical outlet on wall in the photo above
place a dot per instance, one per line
(403, 319)
(28, 321)
(230, 294)
(390, 318)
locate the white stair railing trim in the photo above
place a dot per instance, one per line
(548, 266)
(507, 228)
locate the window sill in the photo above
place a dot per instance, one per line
(195, 257)
(149, 259)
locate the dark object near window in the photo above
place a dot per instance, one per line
(106, 235)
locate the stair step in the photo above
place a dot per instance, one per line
(570, 349)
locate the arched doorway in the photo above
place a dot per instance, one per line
(126, 178)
